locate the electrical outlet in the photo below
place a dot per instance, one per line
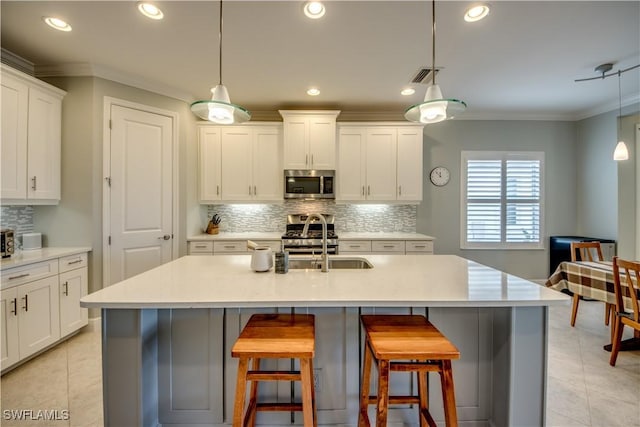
(316, 380)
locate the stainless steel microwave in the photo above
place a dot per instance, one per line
(309, 184)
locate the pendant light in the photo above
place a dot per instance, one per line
(219, 108)
(435, 107)
(621, 152)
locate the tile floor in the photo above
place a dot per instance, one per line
(583, 389)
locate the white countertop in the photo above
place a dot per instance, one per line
(382, 236)
(37, 255)
(395, 281)
(342, 235)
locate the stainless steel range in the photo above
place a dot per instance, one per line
(295, 243)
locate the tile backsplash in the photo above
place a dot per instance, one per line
(17, 218)
(348, 217)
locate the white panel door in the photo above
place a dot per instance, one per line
(237, 144)
(351, 164)
(15, 98)
(267, 164)
(141, 191)
(210, 164)
(409, 165)
(43, 151)
(39, 315)
(381, 164)
(9, 349)
(322, 143)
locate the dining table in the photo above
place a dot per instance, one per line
(594, 280)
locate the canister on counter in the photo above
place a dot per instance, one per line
(282, 262)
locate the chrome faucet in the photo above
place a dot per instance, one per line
(324, 258)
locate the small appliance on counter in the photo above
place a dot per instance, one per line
(31, 241)
(262, 258)
(7, 242)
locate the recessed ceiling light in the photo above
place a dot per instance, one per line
(314, 9)
(408, 91)
(56, 23)
(476, 12)
(313, 91)
(150, 10)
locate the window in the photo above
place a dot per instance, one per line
(502, 200)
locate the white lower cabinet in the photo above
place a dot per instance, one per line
(228, 247)
(385, 247)
(41, 304)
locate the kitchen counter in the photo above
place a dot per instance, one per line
(249, 235)
(227, 281)
(348, 235)
(166, 335)
(342, 235)
(37, 255)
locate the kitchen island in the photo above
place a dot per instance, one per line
(167, 335)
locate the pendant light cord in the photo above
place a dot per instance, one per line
(220, 40)
(433, 45)
(619, 103)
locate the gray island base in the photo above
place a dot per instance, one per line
(167, 335)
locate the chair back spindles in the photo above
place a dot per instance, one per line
(630, 271)
(586, 251)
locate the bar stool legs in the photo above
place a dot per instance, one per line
(400, 338)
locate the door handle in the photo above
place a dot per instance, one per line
(33, 187)
(66, 288)
(165, 237)
(26, 302)
(15, 306)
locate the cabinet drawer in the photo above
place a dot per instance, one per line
(72, 262)
(197, 248)
(394, 246)
(275, 245)
(230, 247)
(422, 246)
(354, 246)
(29, 273)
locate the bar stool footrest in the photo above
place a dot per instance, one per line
(277, 407)
(273, 376)
(395, 400)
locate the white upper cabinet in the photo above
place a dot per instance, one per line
(241, 163)
(310, 139)
(31, 139)
(379, 162)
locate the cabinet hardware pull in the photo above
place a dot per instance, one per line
(165, 237)
(75, 261)
(255, 191)
(368, 190)
(400, 190)
(419, 246)
(354, 246)
(388, 246)
(19, 276)
(33, 187)
(306, 159)
(229, 247)
(312, 160)
(363, 190)
(15, 306)
(217, 190)
(201, 246)
(66, 288)
(26, 302)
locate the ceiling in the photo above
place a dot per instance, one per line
(518, 63)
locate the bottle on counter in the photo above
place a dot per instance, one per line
(282, 262)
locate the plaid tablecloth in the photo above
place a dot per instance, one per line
(589, 279)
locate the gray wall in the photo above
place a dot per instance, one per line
(439, 212)
(628, 226)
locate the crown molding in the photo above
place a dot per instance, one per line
(17, 62)
(85, 69)
(605, 108)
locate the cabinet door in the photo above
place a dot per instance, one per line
(15, 97)
(38, 315)
(43, 147)
(381, 164)
(209, 164)
(322, 143)
(267, 164)
(296, 142)
(236, 164)
(9, 350)
(351, 164)
(409, 164)
(73, 286)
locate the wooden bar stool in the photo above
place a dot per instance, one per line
(275, 336)
(406, 343)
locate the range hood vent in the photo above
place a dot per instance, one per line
(423, 75)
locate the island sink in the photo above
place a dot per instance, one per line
(334, 263)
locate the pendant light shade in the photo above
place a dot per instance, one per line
(621, 152)
(435, 107)
(219, 108)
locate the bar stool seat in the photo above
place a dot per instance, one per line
(275, 336)
(406, 343)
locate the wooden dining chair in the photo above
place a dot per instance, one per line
(587, 251)
(630, 270)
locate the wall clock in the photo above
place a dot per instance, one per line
(439, 176)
